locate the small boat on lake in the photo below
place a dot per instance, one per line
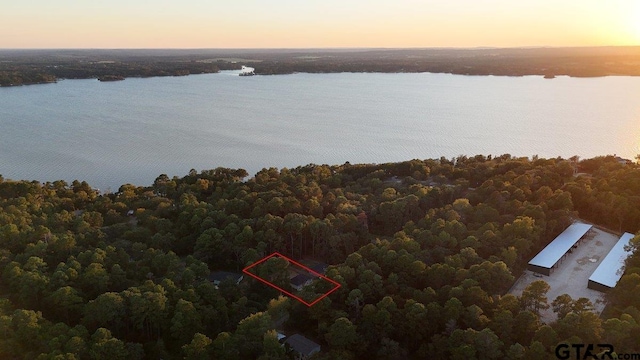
(247, 71)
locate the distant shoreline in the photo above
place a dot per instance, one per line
(29, 67)
(120, 78)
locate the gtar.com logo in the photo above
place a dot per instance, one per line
(585, 351)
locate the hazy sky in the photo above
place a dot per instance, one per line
(316, 23)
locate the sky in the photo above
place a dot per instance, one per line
(317, 23)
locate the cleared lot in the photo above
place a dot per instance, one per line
(572, 275)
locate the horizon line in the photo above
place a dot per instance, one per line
(340, 48)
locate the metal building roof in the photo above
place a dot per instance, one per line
(560, 245)
(611, 268)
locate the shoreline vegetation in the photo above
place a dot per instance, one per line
(424, 250)
(111, 78)
(26, 67)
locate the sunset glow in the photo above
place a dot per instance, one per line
(314, 23)
(635, 20)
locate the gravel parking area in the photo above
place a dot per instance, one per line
(572, 275)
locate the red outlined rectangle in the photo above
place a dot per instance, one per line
(337, 285)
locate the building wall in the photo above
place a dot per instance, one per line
(539, 269)
(597, 286)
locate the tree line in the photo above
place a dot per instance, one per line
(21, 67)
(424, 250)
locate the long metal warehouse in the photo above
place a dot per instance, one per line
(611, 268)
(558, 248)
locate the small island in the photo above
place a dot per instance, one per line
(111, 78)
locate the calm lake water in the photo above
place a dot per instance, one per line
(134, 130)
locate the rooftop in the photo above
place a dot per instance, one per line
(218, 276)
(300, 279)
(612, 266)
(560, 245)
(320, 268)
(302, 345)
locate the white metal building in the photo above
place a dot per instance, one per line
(611, 268)
(552, 254)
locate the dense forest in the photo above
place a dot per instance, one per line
(21, 67)
(26, 67)
(424, 250)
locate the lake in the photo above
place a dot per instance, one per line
(111, 133)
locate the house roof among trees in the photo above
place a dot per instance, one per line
(302, 345)
(219, 276)
(300, 279)
(319, 268)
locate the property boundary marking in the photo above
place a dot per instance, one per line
(337, 285)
